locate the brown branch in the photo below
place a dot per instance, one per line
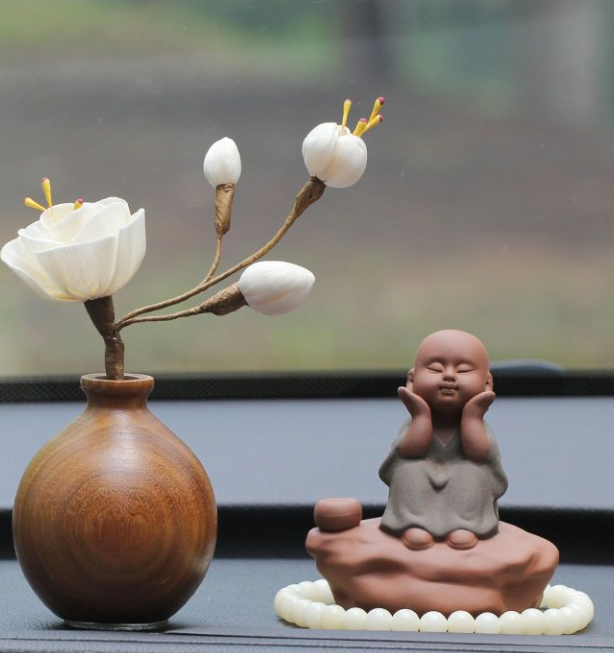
(310, 193)
(216, 260)
(102, 314)
(225, 301)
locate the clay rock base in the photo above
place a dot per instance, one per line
(368, 568)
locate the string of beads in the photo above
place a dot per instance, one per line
(311, 605)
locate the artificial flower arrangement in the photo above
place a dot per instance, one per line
(87, 251)
(115, 519)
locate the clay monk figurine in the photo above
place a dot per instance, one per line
(439, 545)
(444, 470)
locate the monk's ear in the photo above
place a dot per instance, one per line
(489, 382)
(410, 379)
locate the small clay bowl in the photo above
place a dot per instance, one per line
(335, 515)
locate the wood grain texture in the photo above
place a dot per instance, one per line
(115, 520)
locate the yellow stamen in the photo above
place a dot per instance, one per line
(379, 103)
(361, 125)
(28, 201)
(372, 123)
(46, 184)
(78, 204)
(347, 105)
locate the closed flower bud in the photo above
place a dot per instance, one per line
(223, 163)
(275, 287)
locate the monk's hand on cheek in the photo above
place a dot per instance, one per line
(417, 439)
(414, 403)
(477, 406)
(474, 440)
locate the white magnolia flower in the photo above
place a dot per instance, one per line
(334, 154)
(223, 163)
(275, 287)
(77, 254)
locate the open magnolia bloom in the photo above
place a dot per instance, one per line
(80, 251)
(275, 287)
(334, 154)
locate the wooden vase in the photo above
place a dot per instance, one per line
(115, 521)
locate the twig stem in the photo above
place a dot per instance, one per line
(311, 192)
(102, 314)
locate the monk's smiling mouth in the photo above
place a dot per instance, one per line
(448, 389)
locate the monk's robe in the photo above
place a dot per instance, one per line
(443, 491)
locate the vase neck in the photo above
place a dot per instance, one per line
(131, 392)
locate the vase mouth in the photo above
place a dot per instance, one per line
(130, 385)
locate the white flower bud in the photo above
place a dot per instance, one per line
(275, 287)
(223, 163)
(334, 155)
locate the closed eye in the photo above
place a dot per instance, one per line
(464, 370)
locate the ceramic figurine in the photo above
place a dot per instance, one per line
(446, 456)
(439, 545)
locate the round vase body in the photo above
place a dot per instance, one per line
(115, 520)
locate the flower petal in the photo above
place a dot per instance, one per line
(106, 221)
(113, 200)
(35, 230)
(26, 267)
(318, 147)
(348, 162)
(34, 244)
(68, 221)
(82, 270)
(130, 251)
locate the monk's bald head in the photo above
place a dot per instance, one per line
(452, 343)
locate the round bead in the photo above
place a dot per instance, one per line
(433, 622)
(533, 621)
(461, 622)
(554, 622)
(584, 599)
(572, 620)
(354, 619)
(558, 596)
(332, 617)
(583, 612)
(308, 590)
(324, 592)
(544, 602)
(378, 619)
(487, 623)
(278, 599)
(298, 612)
(286, 606)
(512, 623)
(406, 620)
(313, 615)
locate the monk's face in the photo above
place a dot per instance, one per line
(450, 368)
